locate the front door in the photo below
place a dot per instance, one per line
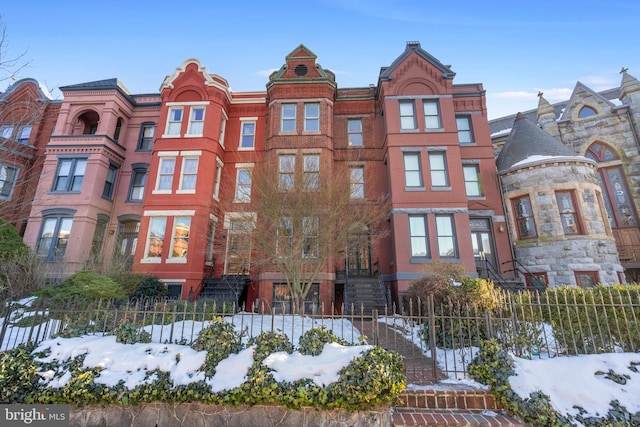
(238, 258)
(359, 253)
(482, 242)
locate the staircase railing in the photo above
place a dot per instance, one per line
(208, 274)
(535, 281)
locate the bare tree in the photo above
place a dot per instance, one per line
(303, 222)
(26, 120)
(10, 64)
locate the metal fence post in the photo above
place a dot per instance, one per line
(432, 334)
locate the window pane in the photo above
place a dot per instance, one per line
(156, 236)
(190, 166)
(431, 114)
(248, 135)
(418, 234)
(182, 227)
(412, 173)
(446, 242)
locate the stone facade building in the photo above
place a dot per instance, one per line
(605, 128)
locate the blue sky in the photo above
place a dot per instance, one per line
(514, 48)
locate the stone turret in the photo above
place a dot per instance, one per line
(555, 210)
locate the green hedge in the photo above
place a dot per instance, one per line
(374, 379)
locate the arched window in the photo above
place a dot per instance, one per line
(89, 121)
(116, 133)
(615, 191)
(586, 111)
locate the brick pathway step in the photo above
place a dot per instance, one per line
(414, 417)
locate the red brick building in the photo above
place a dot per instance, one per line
(163, 182)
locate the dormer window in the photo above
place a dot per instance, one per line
(586, 111)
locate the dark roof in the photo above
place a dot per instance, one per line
(385, 72)
(98, 84)
(527, 139)
(506, 122)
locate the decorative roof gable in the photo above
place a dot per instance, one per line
(581, 96)
(414, 47)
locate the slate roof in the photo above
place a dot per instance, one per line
(527, 139)
(506, 122)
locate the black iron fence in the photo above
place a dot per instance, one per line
(443, 337)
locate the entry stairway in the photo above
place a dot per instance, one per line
(428, 400)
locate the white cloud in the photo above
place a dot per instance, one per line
(266, 73)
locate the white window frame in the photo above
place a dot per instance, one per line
(243, 195)
(162, 214)
(223, 128)
(243, 134)
(154, 259)
(311, 119)
(218, 176)
(174, 125)
(195, 127)
(288, 119)
(181, 259)
(187, 156)
(165, 155)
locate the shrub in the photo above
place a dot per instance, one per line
(595, 319)
(11, 244)
(83, 284)
(219, 340)
(375, 378)
(493, 366)
(149, 287)
(19, 380)
(312, 342)
(269, 342)
(437, 281)
(129, 281)
(128, 333)
(21, 271)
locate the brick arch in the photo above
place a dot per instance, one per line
(84, 120)
(189, 94)
(416, 87)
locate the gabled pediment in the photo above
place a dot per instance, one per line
(583, 96)
(208, 79)
(444, 71)
(301, 66)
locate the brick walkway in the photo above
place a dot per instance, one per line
(427, 401)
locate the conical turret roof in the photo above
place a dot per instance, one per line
(528, 142)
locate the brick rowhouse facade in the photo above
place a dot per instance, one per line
(161, 183)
